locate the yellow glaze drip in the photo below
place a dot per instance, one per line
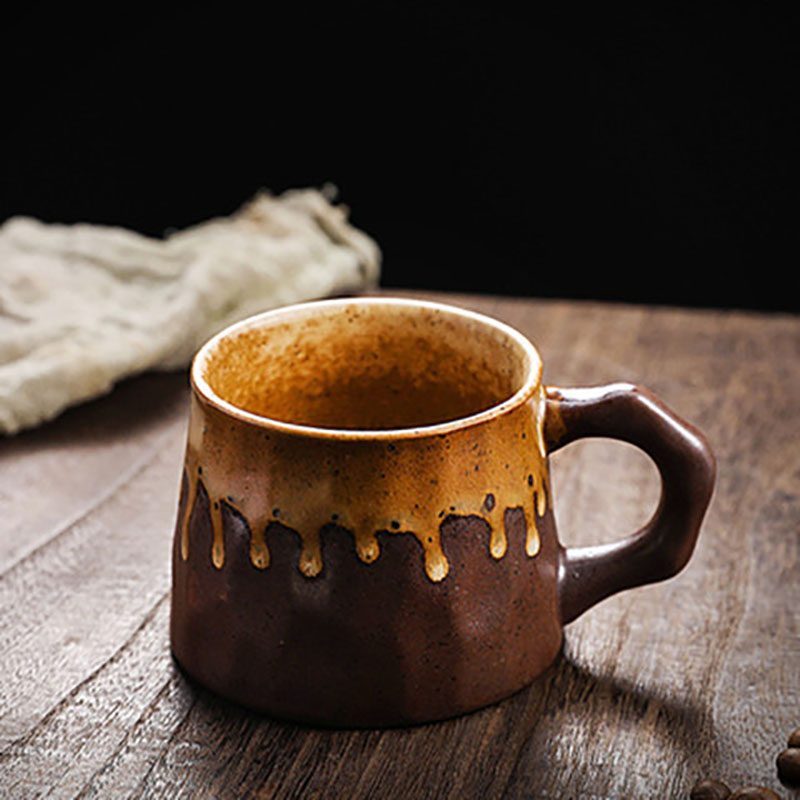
(540, 494)
(190, 498)
(498, 541)
(436, 565)
(367, 546)
(539, 477)
(311, 554)
(218, 546)
(259, 552)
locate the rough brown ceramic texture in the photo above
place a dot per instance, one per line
(412, 573)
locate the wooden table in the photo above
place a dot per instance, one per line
(655, 688)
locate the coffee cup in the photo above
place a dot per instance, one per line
(365, 534)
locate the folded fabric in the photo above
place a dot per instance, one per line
(82, 306)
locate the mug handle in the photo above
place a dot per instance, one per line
(687, 467)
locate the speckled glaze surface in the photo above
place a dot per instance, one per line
(365, 533)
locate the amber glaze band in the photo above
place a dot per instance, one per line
(405, 504)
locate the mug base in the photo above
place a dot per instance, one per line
(356, 715)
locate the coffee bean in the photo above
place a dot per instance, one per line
(708, 789)
(794, 738)
(754, 793)
(789, 766)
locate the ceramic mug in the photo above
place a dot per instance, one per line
(365, 532)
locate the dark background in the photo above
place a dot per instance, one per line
(638, 154)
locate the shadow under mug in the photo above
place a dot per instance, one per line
(365, 534)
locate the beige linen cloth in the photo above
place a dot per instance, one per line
(82, 306)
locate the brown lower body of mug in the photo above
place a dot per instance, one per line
(365, 645)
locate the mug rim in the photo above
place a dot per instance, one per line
(206, 394)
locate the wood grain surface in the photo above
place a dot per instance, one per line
(655, 688)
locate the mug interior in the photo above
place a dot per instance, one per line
(366, 364)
